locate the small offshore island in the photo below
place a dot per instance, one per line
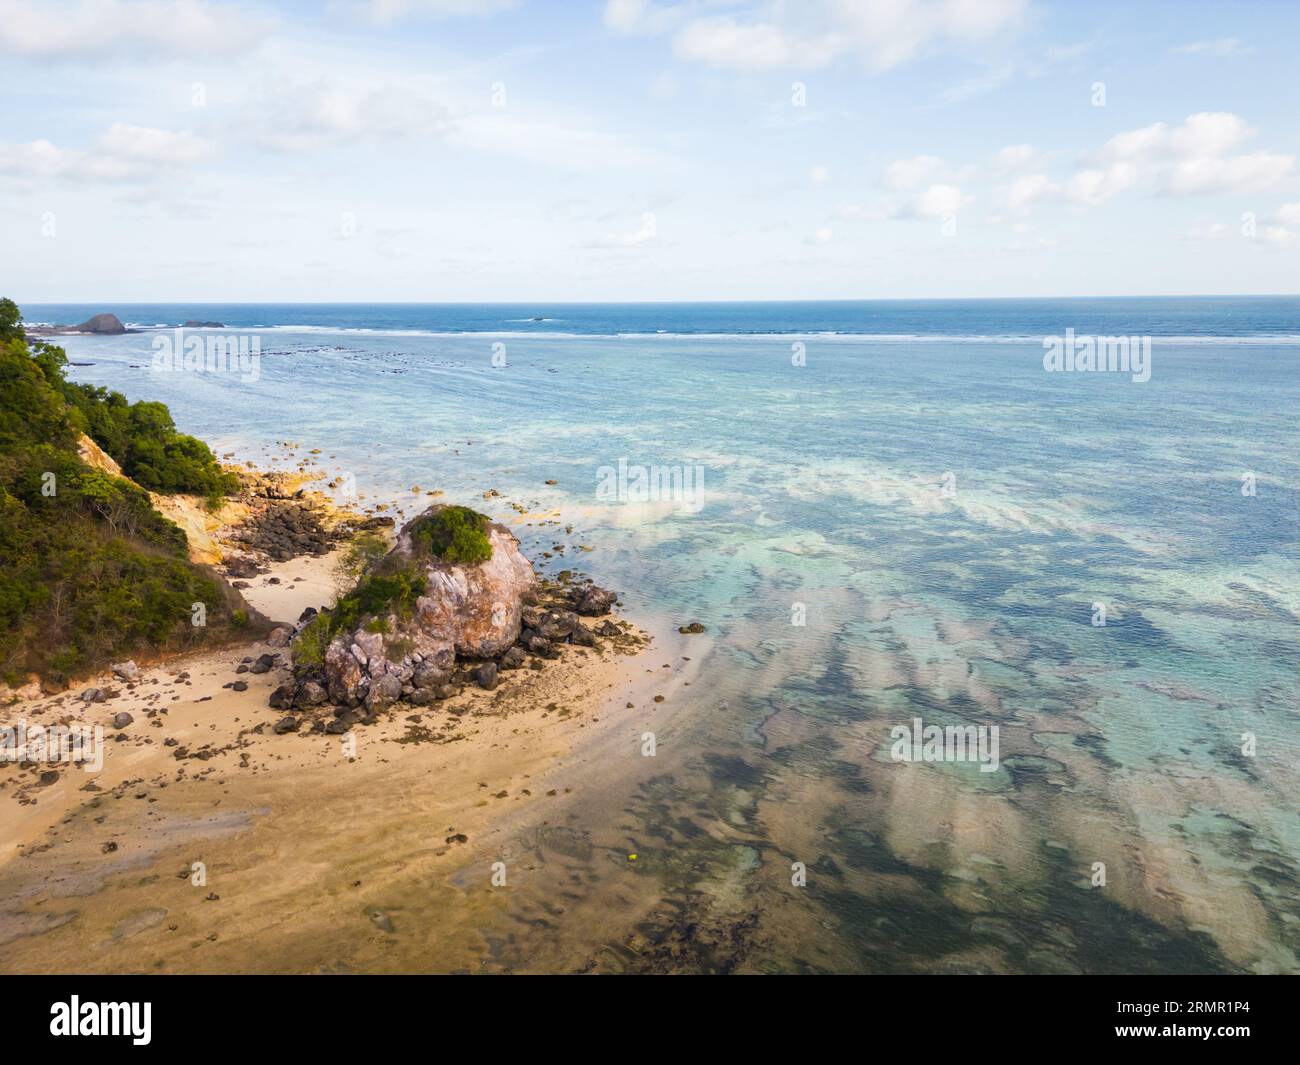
(237, 639)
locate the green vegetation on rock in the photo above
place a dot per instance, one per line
(373, 598)
(386, 584)
(454, 534)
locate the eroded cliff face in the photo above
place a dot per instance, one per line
(191, 513)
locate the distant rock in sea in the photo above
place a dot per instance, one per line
(99, 325)
(194, 323)
(106, 324)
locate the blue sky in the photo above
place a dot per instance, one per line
(543, 150)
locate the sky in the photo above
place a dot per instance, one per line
(559, 150)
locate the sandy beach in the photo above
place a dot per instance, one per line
(208, 843)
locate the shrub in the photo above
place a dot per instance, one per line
(360, 556)
(454, 534)
(372, 599)
(311, 643)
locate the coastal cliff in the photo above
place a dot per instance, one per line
(90, 570)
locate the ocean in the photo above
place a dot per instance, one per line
(888, 515)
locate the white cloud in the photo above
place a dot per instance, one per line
(358, 106)
(937, 201)
(384, 11)
(1275, 234)
(1279, 236)
(122, 153)
(1241, 173)
(881, 34)
(146, 145)
(1091, 188)
(1016, 157)
(909, 173)
(1221, 46)
(624, 15)
(645, 233)
(722, 41)
(100, 29)
(37, 159)
(1027, 190)
(1213, 231)
(1087, 188)
(1200, 135)
(311, 116)
(642, 16)
(1193, 158)
(557, 143)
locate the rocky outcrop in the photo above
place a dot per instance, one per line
(478, 607)
(104, 324)
(490, 614)
(472, 610)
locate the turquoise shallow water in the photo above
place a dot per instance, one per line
(943, 514)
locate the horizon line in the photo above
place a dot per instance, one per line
(654, 303)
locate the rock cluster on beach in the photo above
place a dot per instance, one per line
(285, 531)
(471, 623)
(286, 522)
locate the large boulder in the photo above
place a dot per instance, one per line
(476, 607)
(470, 609)
(343, 671)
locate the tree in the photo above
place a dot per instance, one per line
(11, 321)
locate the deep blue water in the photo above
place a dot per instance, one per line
(1253, 316)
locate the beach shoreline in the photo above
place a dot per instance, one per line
(205, 831)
